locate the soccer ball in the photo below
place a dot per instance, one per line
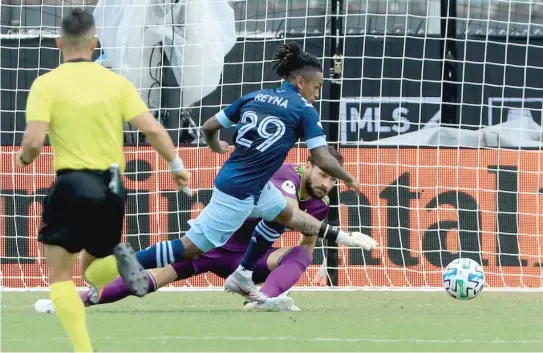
(463, 279)
(44, 306)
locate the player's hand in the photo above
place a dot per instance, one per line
(321, 277)
(182, 180)
(353, 184)
(21, 163)
(221, 147)
(356, 240)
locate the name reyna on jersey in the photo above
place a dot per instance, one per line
(280, 101)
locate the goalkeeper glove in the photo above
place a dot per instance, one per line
(356, 240)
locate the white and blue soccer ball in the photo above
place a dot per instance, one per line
(463, 279)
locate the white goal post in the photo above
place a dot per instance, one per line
(430, 191)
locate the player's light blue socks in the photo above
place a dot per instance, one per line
(161, 254)
(264, 235)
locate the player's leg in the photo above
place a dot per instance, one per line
(287, 266)
(64, 297)
(211, 229)
(61, 216)
(105, 257)
(218, 261)
(270, 204)
(264, 235)
(118, 289)
(166, 252)
(158, 278)
(279, 269)
(266, 232)
(101, 269)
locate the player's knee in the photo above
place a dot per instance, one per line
(286, 215)
(178, 249)
(191, 251)
(59, 275)
(60, 263)
(183, 269)
(60, 271)
(301, 254)
(85, 259)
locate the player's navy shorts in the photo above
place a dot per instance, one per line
(225, 214)
(81, 212)
(221, 262)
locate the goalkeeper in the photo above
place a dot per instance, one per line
(83, 106)
(307, 187)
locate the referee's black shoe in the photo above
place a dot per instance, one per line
(133, 274)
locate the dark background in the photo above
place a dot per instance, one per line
(375, 66)
(391, 49)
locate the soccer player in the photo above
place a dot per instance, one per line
(268, 124)
(83, 106)
(280, 268)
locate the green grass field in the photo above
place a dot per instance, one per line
(329, 321)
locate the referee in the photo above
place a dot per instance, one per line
(83, 106)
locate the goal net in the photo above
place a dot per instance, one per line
(443, 133)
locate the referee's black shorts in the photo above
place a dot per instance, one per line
(81, 212)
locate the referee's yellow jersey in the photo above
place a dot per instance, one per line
(85, 105)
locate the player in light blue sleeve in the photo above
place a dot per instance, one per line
(268, 124)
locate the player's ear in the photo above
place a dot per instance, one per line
(299, 82)
(94, 44)
(59, 42)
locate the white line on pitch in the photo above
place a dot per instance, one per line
(314, 339)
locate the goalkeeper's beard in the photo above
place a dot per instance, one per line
(311, 190)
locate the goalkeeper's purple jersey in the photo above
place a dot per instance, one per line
(288, 180)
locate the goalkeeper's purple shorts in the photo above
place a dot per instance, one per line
(221, 262)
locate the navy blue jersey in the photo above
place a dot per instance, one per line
(268, 124)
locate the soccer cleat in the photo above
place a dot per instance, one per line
(237, 283)
(133, 274)
(277, 304)
(91, 296)
(292, 307)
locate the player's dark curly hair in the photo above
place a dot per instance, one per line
(290, 59)
(77, 23)
(335, 153)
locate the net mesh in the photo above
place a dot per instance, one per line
(430, 192)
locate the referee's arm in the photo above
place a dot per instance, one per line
(135, 111)
(38, 116)
(156, 134)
